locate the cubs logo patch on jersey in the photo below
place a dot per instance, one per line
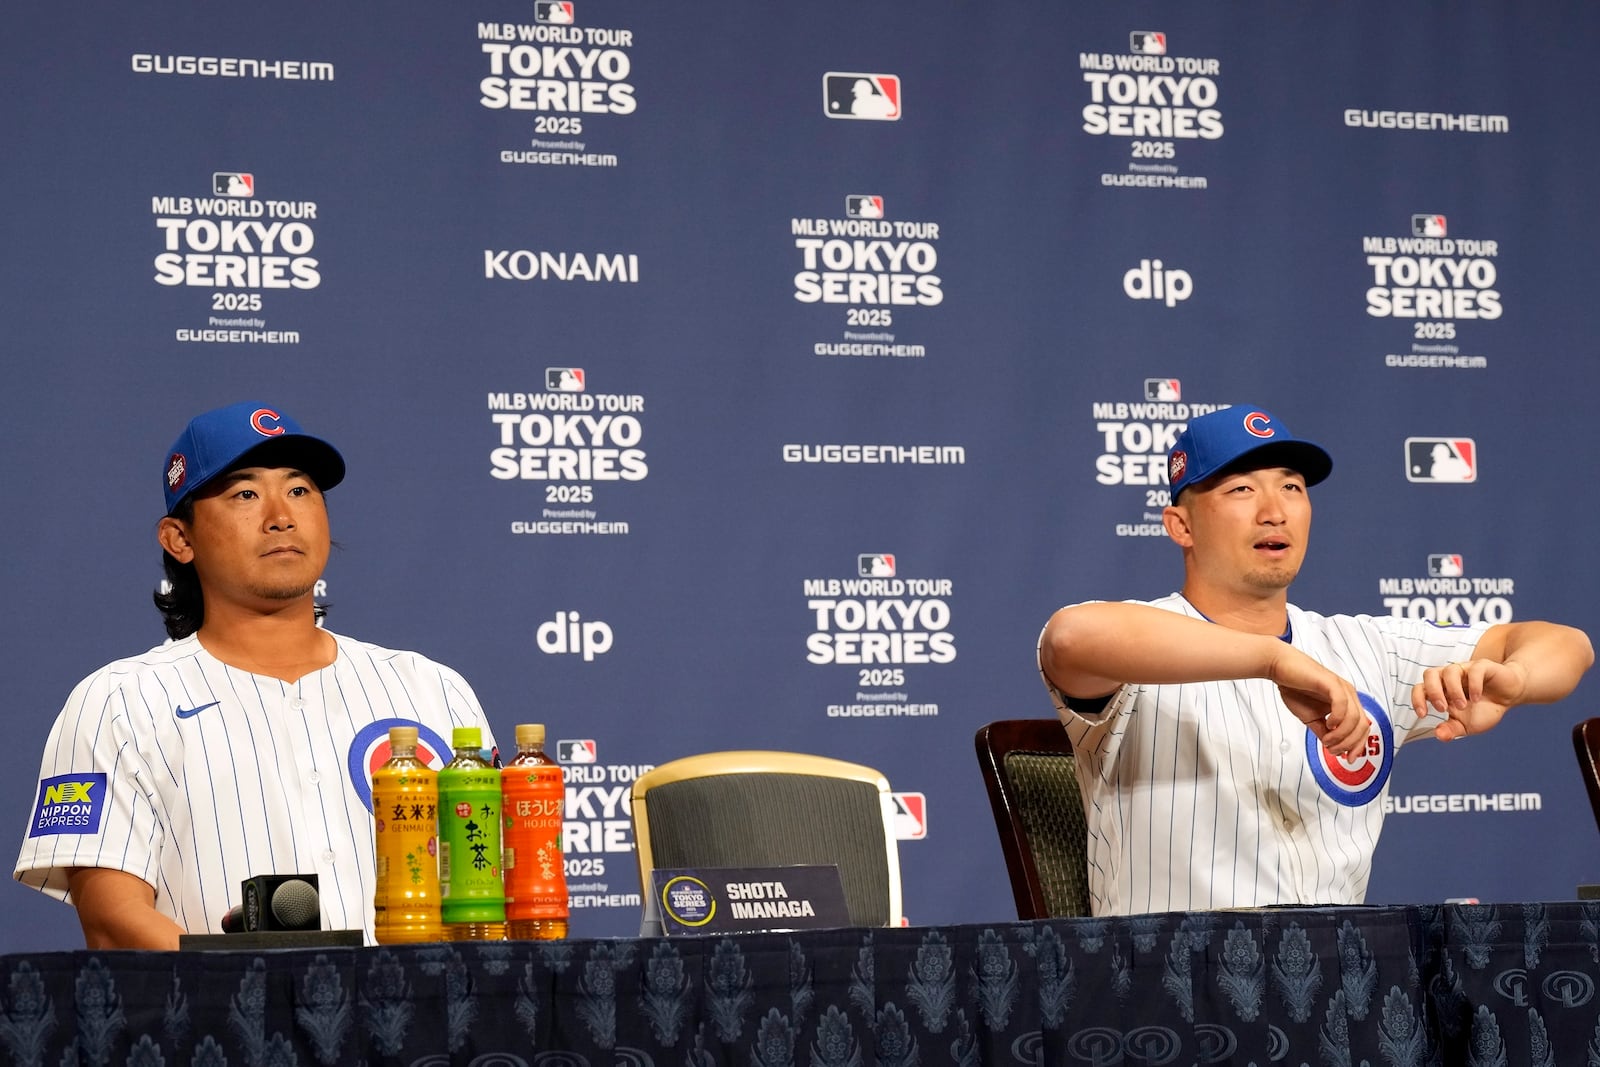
(369, 750)
(1355, 780)
(69, 804)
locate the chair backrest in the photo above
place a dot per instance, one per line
(1586, 741)
(1032, 779)
(773, 809)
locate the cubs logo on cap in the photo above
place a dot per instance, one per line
(1241, 438)
(1259, 424)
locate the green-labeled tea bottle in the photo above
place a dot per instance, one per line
(472, 899)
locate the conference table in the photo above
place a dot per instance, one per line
(1406, 985)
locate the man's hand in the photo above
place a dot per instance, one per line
(1328, 704)
(1475, 695)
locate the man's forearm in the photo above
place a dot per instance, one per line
(117, 910)
(132, 927)
(1555, 658)
(1101, 646)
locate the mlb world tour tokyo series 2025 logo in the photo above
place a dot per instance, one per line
(1442, 282)
(572, 441)
(239, 246)
(879, 623)
(1155, 100)
(875, 265)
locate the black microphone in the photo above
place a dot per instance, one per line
(275, 902)
(279, 911)
(280, 902)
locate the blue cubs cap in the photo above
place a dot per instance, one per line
(243, 435)
(1240, 437)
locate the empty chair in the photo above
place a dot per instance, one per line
(773, 809)
(1032, 780)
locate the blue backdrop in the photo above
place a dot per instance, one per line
(650, 332)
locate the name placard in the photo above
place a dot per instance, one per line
(725, 900)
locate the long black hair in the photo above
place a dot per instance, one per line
(179, 600)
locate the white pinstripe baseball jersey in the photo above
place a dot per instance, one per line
(194, 775)
(1213, 795)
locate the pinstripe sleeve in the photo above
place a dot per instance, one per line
(94, 805)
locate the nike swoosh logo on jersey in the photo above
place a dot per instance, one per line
(189, 713)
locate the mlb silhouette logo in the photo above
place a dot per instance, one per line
(564, 379)
(875, 565)
(861, 96)
(863, 207)
(910, 816)
(1445, 565)
(1163, 389)
(1147, 43)
(233, 183)
(1441, 459)
(559, 12)
(583, 751)
(1429, 226)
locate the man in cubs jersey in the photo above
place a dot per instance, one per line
(244, 745)
(1233, 749)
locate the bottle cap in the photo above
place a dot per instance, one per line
(403, 737)
(530, 733)
(467, 737)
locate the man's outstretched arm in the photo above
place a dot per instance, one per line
(1089, 650)
(1513, 663)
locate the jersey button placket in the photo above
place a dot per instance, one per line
(314, 832)
(1285, 821)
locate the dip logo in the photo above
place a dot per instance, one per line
(569, 635)
(1152, 281)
